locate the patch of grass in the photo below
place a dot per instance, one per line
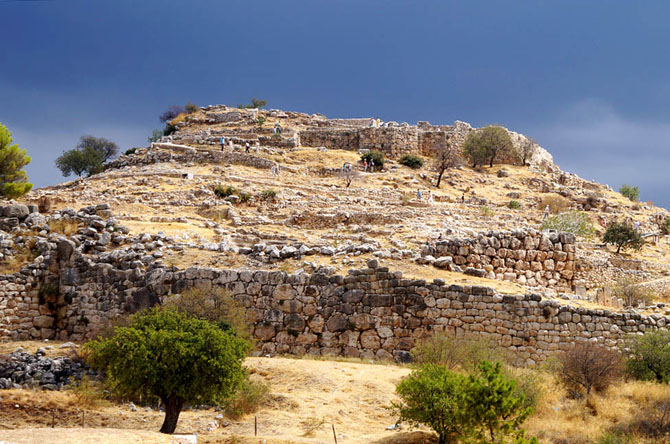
(574, 222)
(66, 227)
(310, 425)
(513, 205)
(486, 212)
(556, 203)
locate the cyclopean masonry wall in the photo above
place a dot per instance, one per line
(370, 313)
(528, 257)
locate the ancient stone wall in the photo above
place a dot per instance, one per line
(527, 257)
(394, 141)
(370, 313)
(340, 139)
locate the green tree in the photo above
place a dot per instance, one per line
(575, 222)
(168, 355)
(435, 396)
(13, 178)
(623, 236)
(156, 134)
(88, 157)
(494, 406)
(446, 156)
(649, 356)
(487, 143)
(255, 103)
(632, 193)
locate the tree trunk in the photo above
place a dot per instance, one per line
(491, 162)
(173, 405)
(439, 178)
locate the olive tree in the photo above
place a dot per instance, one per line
(88, 156)
(623, 236)
(446, 156)
(527, 148)
(487, 144)
(166, 354)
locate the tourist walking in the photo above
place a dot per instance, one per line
(372, 165)
(223, 143)
(418, 194)
(365, 166)
(247, 148)
(546, 212)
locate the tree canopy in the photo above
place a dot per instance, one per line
(13, 178)
(623, 236)
(166, 354)
(487, 144)
(255, 103)
(88, 157)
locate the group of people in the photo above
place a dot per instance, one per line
(629, 221)
(370, 165)
(277, 128)
(419, 195)
(375, 123)
(274, 169)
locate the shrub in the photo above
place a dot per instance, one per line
(632, 293)
(665, 226)
(44, 204)
(615, 437)
(623, 236)
(556, 203)
(486, 211)
(589, 367)
(435, 396)
(169, 129)
(260, 120)
(130, 151)
(248, 398)
(155, 136)
(574, 222)
(630, 192)
(168, 355)
(268, 195)
(377, 156)
(190, 108)
(349, 175)
(171, 112)
(255, 103)
(453, 352)
(225, 191)
(514, 205)
(649, 356)
(411, 161)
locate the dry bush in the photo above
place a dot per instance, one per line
(589, 367)
(310, 425)
(632, 293)
(216, 306)
(88, 394)
(557, 204)
(452, 352)
(44, 204)
(66, 227)
(216, 214)
(250, 397)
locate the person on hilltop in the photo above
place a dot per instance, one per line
(372, 165)
(246, 148)
(463, 198)
(277, 128)
(431, 199)
(365, 166)
(418, 194)
(546, 212)
(230, 143)
(223, 143)
(372, 123)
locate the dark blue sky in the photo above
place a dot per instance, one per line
(587, 79)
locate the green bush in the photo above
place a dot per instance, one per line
(514, 205)
(411, 161)
(481, 407)
(623, 236)
(168, 355)
(649, 356)
(665, 226)
(614, 438)
(250, 396)
(630, 192)
(130, 152)
(486, 212)
(224, 191)
(575, 222)
(190, 108)
(268, 195)
(377, 156)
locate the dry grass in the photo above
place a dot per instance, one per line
(66, 227)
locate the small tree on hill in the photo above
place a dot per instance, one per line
(88, 157)
(171, 112)
(349, 175)
(623, 236)
(13, 178)
(632, 193)
(168, 355)
(255, 103)
(487, 144)
(527, 149)
(446, 156)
